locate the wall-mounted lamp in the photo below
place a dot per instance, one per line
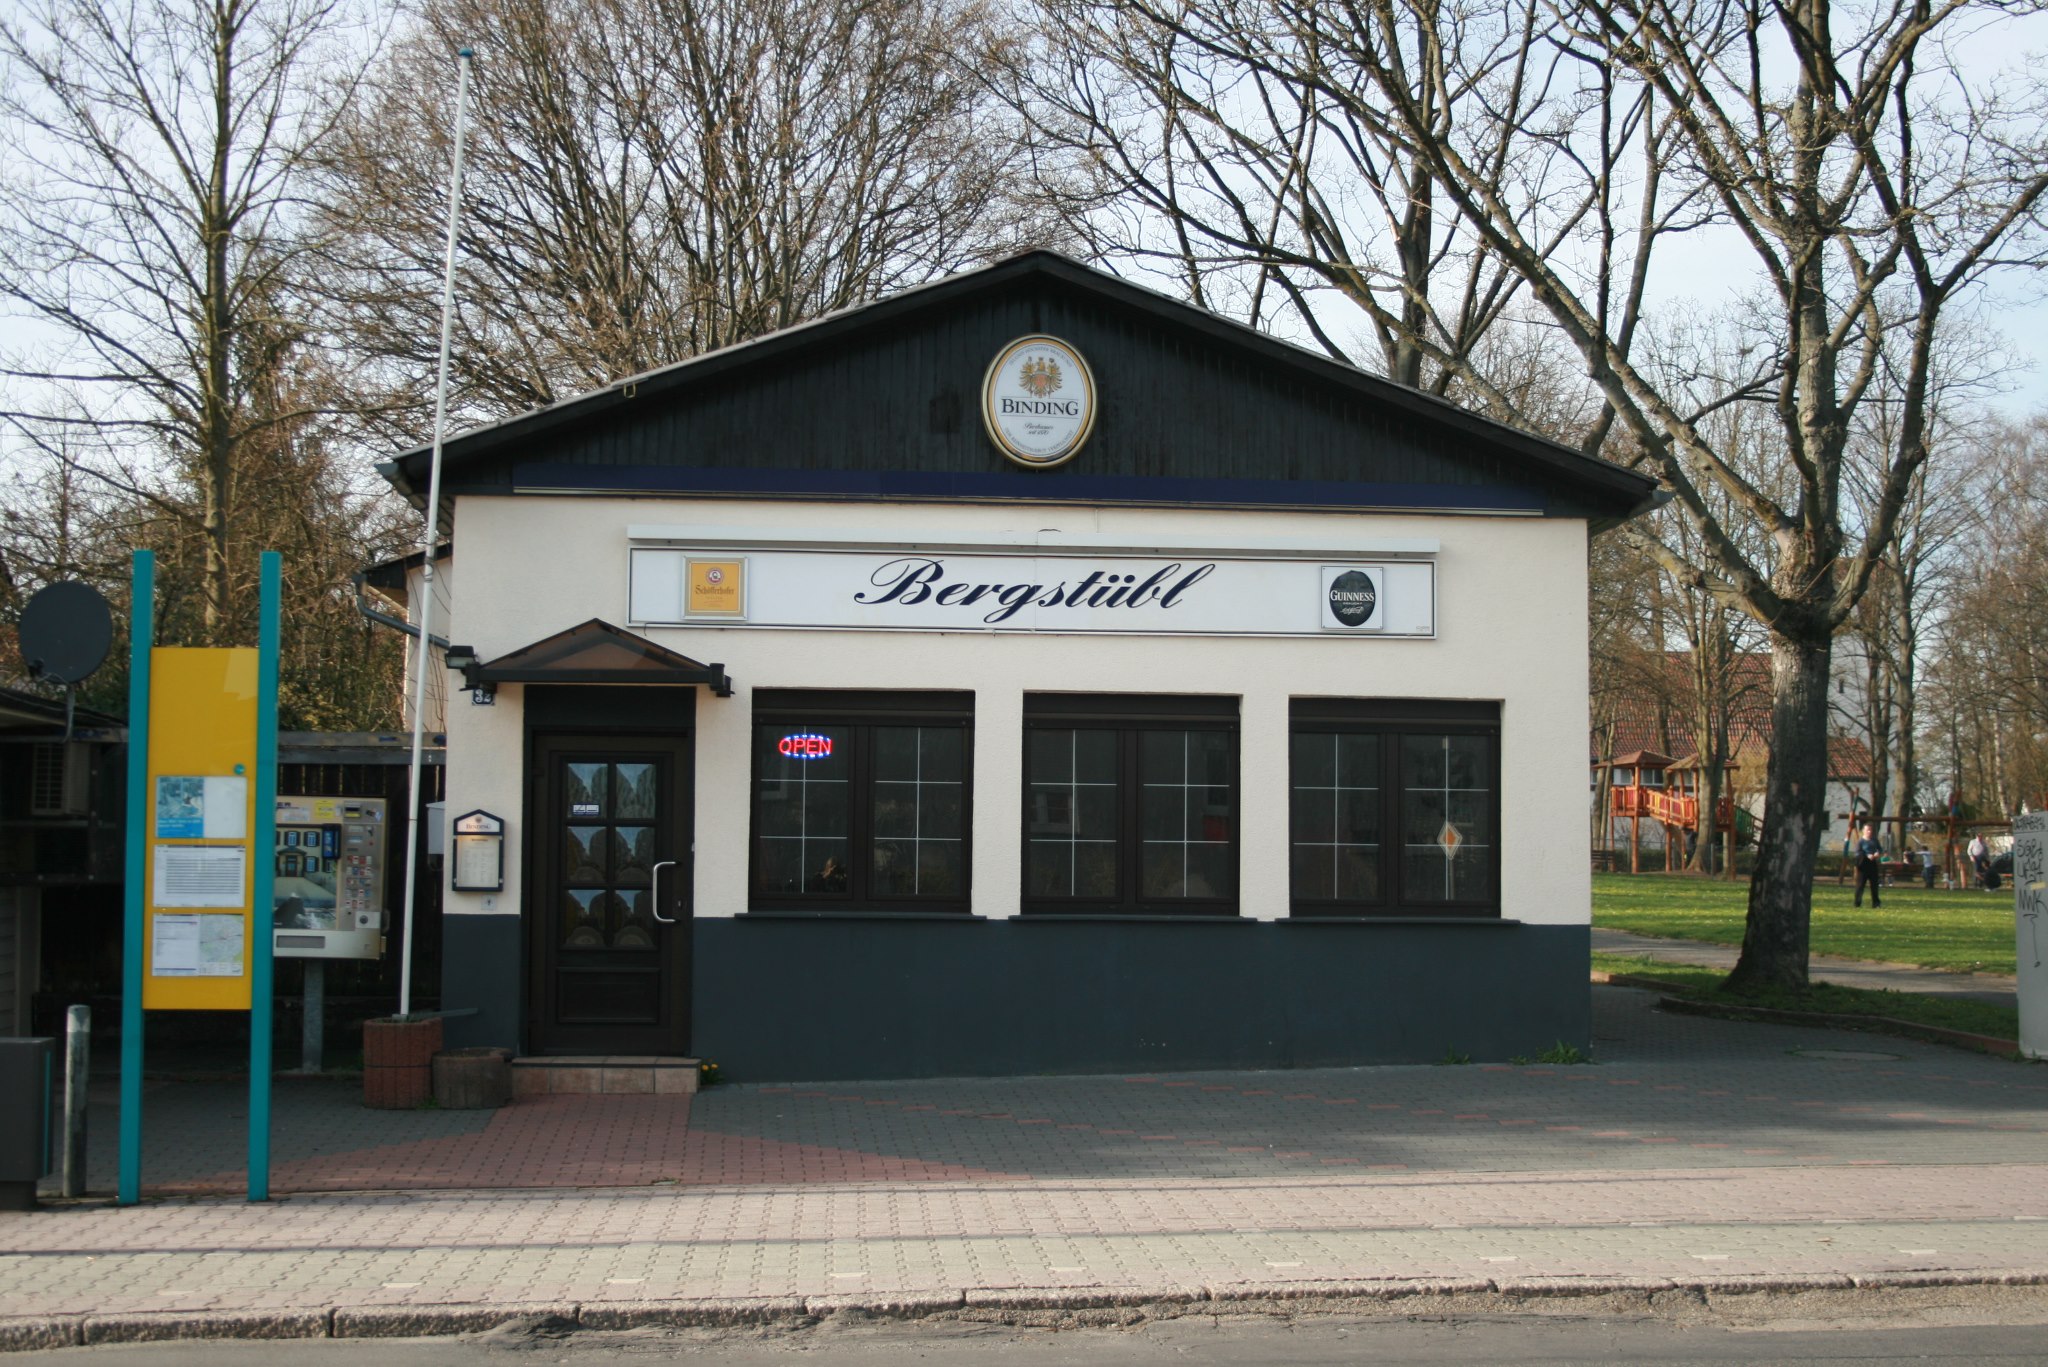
(464, 659)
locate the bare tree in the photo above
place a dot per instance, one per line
(1871, 185)
(653, 179)
(1986, 692)
(149, 238)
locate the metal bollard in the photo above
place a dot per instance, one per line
(77, 1068)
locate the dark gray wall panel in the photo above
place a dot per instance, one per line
(788, 1000)
(480, 968)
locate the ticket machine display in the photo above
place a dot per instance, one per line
(329, 889)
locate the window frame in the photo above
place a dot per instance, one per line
(1130, 717)
(863, 713)
(1392, 719)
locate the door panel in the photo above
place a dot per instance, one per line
(608, 910)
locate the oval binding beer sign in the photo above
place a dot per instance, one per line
(1038, 401)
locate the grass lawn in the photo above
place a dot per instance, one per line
(1931, 928)
(1704, 984)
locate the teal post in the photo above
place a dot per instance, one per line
(263, 834)
(141, 636)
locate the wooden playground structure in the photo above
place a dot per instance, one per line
(1647, 784)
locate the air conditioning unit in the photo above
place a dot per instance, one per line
(60, 782)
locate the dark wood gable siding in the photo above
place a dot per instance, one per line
(893, 410)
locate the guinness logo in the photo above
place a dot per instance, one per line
(1038, 401)
(1351, 598)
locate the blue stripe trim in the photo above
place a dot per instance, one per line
(1048, 486)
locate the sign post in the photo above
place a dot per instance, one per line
(2030, 924)
(201, 810)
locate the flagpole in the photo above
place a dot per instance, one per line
(429, 534)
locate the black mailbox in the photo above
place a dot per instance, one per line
(28, 1118)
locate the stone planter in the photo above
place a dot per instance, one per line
(398, 1062)
(472, 1079)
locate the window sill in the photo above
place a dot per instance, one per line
(1230, 918)
(778, 914)
(1298, 920)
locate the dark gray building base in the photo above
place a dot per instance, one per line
(808, 998)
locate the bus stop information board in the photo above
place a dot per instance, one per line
(202, 781)
(201, 815)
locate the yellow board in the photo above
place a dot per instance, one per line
(718, 588)
(202, 739)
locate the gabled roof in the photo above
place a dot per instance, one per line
(1607, 492)
(596, 652)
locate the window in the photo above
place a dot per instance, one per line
(861, 800)
(1395, 808)
(1130, 804)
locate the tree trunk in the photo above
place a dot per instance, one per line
(1781, 893)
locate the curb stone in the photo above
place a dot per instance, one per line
(423, 1321)
(1765, 1283)
(1241, 1295)
(154, 1326)
(1531, 1287)
(1082, 1297)
(28, 1333)
(1878, 1281)
(690, 1313)
(907, 1305)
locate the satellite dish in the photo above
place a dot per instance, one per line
(66, 630)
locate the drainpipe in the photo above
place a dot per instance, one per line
(385, 619)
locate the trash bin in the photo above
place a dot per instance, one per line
(28, 1118)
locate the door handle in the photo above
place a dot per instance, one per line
(655, 878)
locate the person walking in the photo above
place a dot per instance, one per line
(1869, 866)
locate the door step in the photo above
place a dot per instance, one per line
(603, 1075)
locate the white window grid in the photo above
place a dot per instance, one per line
(1433, 845)
(1336, 789)
(1073, 787)
(1187, 801)
(804, 837)
(917, 838)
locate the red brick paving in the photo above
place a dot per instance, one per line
(585, 1141)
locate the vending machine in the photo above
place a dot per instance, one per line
(329, 889)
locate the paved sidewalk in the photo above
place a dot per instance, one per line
(1695, 1151)
(1998, 989)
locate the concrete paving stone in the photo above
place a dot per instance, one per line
(423, 1321)
(158, 1327)
(648, 1205)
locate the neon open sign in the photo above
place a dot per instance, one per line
(806, 746)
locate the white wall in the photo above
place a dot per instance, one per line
(1511, 627)
(438, 682)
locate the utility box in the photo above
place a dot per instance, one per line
(28, 1118)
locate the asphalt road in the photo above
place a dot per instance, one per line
(1552, 1340)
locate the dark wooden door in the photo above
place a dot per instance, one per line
(609, 910)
